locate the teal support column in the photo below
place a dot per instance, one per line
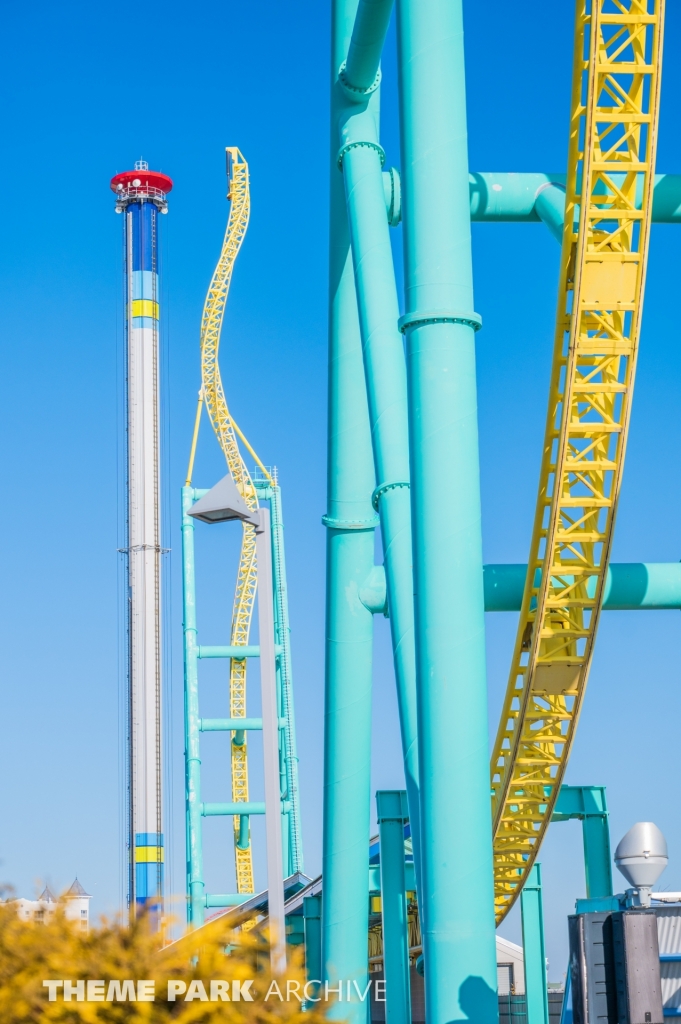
(588, 805)
(294, 841)
(534, 956)
(597, 859)
(350, 522)
(286, 858)
(312, 914)
(195, 883)
(393, 814)
(361, 159)
(440, 322)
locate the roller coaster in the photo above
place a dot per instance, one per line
(228, 434)
(469, 867)
(402, 427)
(609, 190)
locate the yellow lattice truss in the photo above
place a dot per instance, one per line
(218, 411)
(615, 100)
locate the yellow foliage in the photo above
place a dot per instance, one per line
(31, 953)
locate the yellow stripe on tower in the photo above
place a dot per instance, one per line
(145, 307)
(149, 854)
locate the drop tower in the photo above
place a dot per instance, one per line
(141, 197)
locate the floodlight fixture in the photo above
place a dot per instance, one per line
(222, 503)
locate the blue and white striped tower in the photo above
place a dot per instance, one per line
(141, 197)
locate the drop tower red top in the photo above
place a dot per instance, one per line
(141, 179)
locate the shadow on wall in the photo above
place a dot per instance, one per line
(478, 1001)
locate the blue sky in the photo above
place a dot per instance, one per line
(86, 93)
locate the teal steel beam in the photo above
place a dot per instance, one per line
(534, 955)
(228, 900)
(393, 813)
(518, 197)
(504, 197)
(195, 883)
(350, 522)
(523, 197)
(242, 807)
(550, 205)
(513, 197)
(375, 878)
(629, 586)
(360, 73)
(238, 653)
(233, 724)
(588, 805)
(439, 323)
(385, 373)
(312, 915)
(292, 836)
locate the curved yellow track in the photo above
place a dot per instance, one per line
(218, 411)
(615, 101)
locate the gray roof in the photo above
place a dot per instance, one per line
(47, 896)
(78, 890)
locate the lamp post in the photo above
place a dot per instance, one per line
(222, 504)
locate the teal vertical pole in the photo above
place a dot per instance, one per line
(597, 859)
(457, 882)
(295, 842)
(589, 805)
(271, 736)
(361, 158)
(350, 522)
(393, 814)
(534, 956)
(286, 860)
(195, 884)
(281, 737)
(312, 914)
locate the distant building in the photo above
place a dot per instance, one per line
(510, 968)
(76, 906)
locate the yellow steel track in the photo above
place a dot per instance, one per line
(614, 114)
(218, 411)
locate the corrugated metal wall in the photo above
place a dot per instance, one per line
(669, 938)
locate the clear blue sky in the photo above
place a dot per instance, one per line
(86, 92)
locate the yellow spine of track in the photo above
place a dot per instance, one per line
(611, 163)
(216, 404)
